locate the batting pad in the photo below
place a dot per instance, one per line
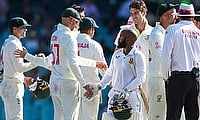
(136, 116)
(107, 116)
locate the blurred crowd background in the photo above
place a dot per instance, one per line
(45, 14)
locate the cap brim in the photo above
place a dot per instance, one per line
(182, 15)
(79, 19)
(197, 18)
(96, 26)
(27, 25)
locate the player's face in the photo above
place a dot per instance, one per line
(75, 23)
(20, 32)
(137, 15)
(170, 17)
(122, 41)
(82, 14)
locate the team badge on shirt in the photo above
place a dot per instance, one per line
(146, 37)
(131, 61)
(159, 98)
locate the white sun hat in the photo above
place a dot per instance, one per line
(186, 10)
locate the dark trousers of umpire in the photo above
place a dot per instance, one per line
(182, 90)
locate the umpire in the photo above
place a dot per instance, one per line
(180, 56)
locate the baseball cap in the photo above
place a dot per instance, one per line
(197, 17)
(165, 7)
(17, 22)
(88, 22)
(71, 12)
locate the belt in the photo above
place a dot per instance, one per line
(181, 73)
(128, 91)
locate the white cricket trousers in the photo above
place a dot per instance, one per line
(89, 108)
(66, 99)
(157, 99)
(12, 95)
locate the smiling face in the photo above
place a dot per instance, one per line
(138, 11)
(137, 15)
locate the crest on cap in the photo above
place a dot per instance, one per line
(186, 10)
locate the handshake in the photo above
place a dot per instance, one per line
(92, 90)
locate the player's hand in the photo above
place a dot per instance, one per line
(20, 53)
(28, 81)
(101, 65)
(88, 94)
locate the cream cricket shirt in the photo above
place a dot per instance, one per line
(125, 71)
(156, 40)
(142, 44)
(64, 50)
(89, 48)
(14, 67)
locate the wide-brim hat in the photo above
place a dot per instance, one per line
(186, 10)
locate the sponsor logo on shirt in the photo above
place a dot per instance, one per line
(131, 61)
(83, 45)
(157, 45)
(54, 38)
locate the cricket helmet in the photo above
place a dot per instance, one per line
(121, 108)
(40, 88)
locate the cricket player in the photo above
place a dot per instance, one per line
(12, 85)
(157, 99)
(66, 76)
(89, 48)
(127, 71)
(138, 12)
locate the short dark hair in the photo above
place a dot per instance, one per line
(78, 8)
(138, 4)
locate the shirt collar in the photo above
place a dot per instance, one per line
(63, 27)
(160, 27)
(14, 37)
(84, 35)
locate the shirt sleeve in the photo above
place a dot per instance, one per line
(99, 56)
(107, 76)
(166, 53)
(86, 62)
(40, 61)
(72, 57)
(19, 63)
